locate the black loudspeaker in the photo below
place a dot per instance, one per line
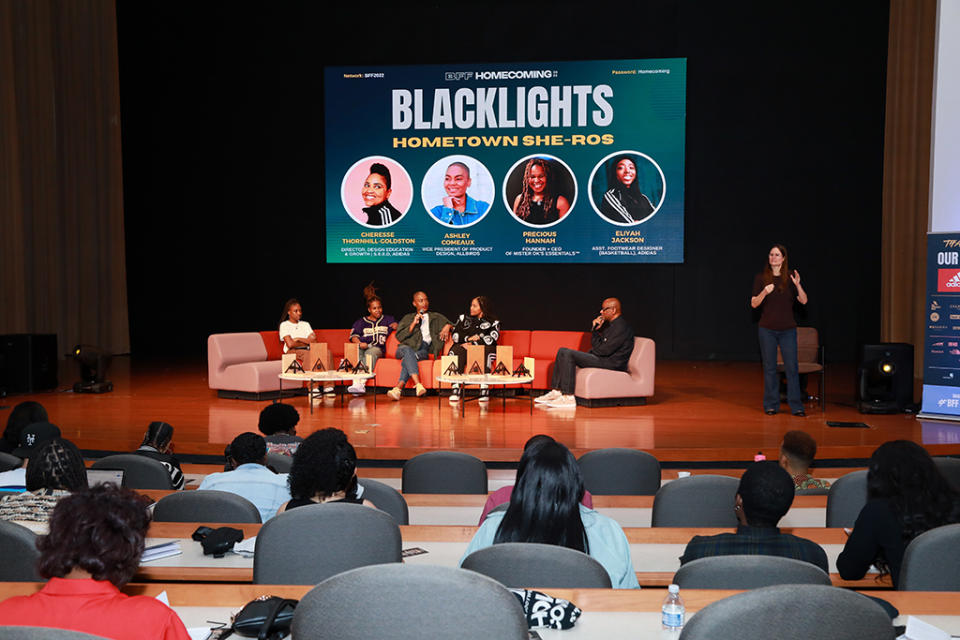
(885, 378)
(28, 362)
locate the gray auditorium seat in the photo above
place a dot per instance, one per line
(279, 462)
(139, 472)
(791, 612)
(309, 544)
(932, 561)
(950, 470)
(18, 548)
(747, 572)
(528, 564)
(409, 602)
(847, 496)
(444, 472)
(697, 501)
(8, 462)
(44, 633)
(387, 499)
(205, 506)
(618, 471)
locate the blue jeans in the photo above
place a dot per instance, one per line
(787, 340)
(409, 359)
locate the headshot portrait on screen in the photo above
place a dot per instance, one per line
(376, 192)
(457, 191)
(540, 190)
(626, 188)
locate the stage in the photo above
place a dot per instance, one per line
(701, 412)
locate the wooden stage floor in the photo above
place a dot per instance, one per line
(702, 411)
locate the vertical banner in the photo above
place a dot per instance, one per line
(941, 362)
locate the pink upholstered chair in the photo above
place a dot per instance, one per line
(237, 366)
(605, 388)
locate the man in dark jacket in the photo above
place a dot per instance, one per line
(611, 346)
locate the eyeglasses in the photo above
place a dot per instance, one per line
(602, 309)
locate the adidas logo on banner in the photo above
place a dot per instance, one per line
(954, 282)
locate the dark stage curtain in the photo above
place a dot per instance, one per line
(906, 171)
(62, 261)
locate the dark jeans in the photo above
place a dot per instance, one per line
(565, 368)
(787, 340)
(408, 361)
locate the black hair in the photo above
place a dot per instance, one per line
(767, 492)
(286, 308)
(278, 417)
(158, 435)
(381, 170)
(903, 473)
(247, 447)
(799, 446)
(613, 182)
(324, 464)
(486, 308)
(459, 164)
(545, 503)
(100, 530)
(57, 464)
(25, 413)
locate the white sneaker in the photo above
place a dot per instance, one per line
(454, 398)
(550, 396)
(357, 388)
(329, 389)
(484, 393)
(394, 394)
(565, 402)
(421, 390)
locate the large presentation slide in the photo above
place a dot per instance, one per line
(527, 162)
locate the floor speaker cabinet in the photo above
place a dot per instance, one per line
(885, 378)
(28, 362)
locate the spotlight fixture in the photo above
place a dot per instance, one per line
(885, 378)
(94, 363)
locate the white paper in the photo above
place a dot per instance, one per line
(246, 546)
(917, 629)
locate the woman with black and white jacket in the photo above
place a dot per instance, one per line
(480, 327)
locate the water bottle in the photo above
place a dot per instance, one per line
(673, 612)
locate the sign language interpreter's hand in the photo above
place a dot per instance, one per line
(767, 290)
(795, 278)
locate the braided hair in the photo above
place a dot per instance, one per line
(526, 196)
(57, 464)
(158, 435)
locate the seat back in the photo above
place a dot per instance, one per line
(279, 462)
(309, 544)
(444, 472)
(8, 462)
(931, 561)
(808, 344)
(519, 339)
(747, 572)
(18, 548)
(544, 344)
(618, 471)
(792, 612)
(44, 633)
(846, 498)
(205, 506)
(387, 499)
(225, 349)
(528, 564)
(409, 602)
(139, 472)
(949, 468)
(272, 344)
(697, 501)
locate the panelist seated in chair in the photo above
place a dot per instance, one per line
(370, 333)
(421, 334)
(479, 327)
(545, 508)
(324, 470)
(763, 498)
(249, 476)
(93, 549)
(611, 345)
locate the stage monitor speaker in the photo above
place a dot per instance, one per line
(28, 362)
(885, 378)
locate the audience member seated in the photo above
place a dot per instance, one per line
(796, 455)
(94, 547)
(421, 334)
(278, 422)
(158, 445)
(250, 478)
(763, 498)
(502, 495)
(32, 437)
(479, 327)
(325, 470)
(56, 470)
(906, 495)
(545, 507)
(611, 344)
(25, 413)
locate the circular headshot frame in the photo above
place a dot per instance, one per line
(440, 166)
(628, 152)
(404, 197)
(508, 203)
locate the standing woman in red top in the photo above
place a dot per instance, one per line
(774, 292)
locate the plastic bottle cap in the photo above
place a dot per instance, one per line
(674, 588)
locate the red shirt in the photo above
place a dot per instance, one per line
(95, 607)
